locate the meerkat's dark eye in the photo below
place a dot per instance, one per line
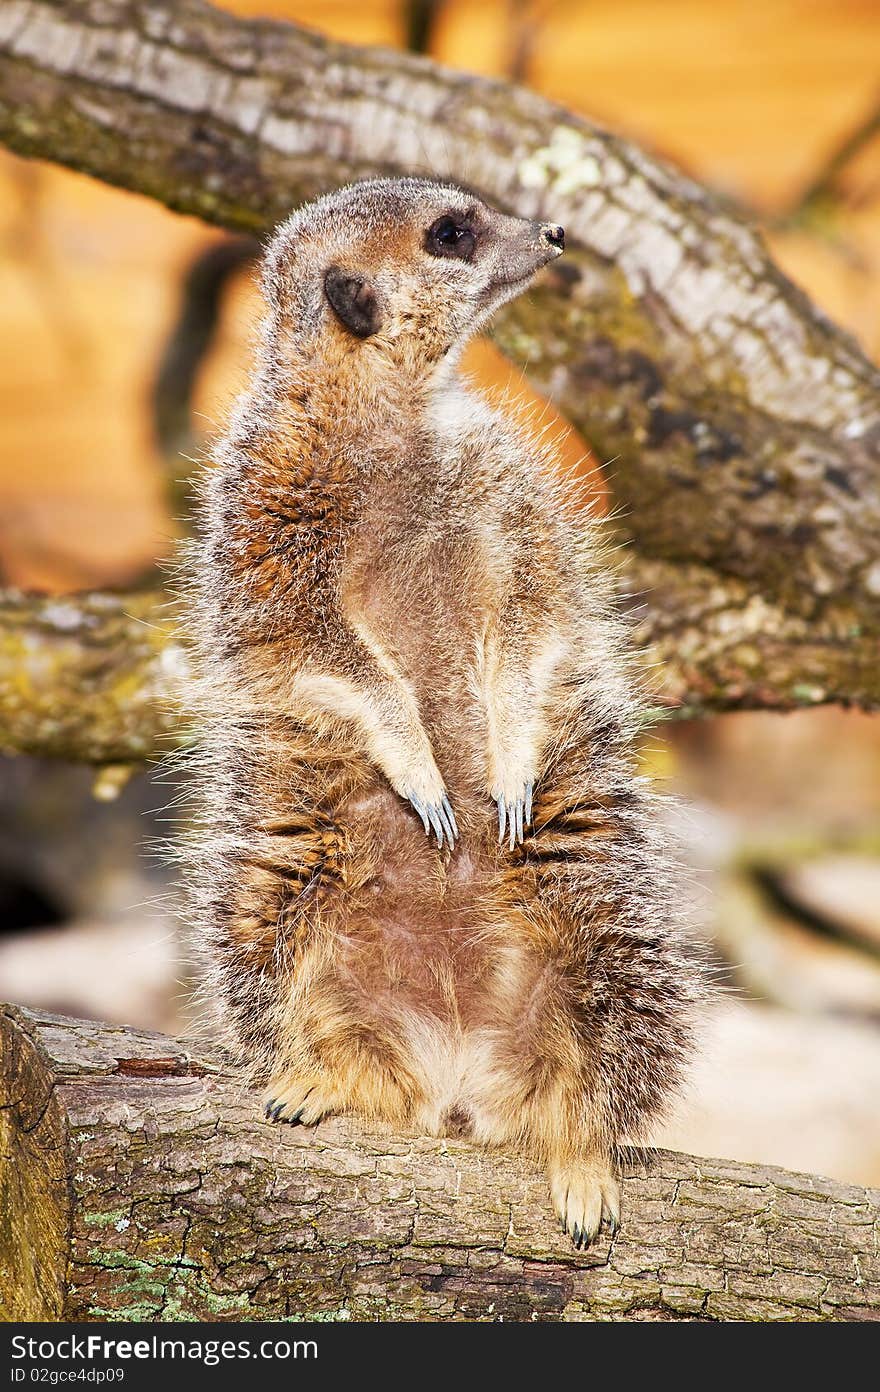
(450, 236)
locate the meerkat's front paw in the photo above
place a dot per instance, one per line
(437, 816)
(585, 1195)
(299, 1104)
(414, 776)
(514, 813)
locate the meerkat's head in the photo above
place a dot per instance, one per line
(405, 270)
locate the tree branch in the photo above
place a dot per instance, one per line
(92, 678)
(743, 429)
(143, 1176)
(101, 678)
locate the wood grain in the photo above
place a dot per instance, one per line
(138, 1181)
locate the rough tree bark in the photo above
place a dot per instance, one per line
(743, 429)
(137, 1182)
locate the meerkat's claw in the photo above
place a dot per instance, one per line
(514, 817)
(295, 1107)
(433, 814)
(509, 820)
(437, 817)
(446, 805)
(586, 1198)
(420, 808)
(447, 819)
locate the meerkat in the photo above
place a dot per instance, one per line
(430, 884)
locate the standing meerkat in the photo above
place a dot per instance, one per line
(429, 884)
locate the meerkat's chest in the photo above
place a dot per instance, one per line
(415, 578)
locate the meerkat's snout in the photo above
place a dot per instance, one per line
(554, 235)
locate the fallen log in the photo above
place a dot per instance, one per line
(138, 1181)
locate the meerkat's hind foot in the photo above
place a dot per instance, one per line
(295, 1103)
(515, 816)
(437, 817)
(586, 1196)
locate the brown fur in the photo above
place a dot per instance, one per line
(392, 597)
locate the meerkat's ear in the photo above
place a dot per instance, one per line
(354, 301)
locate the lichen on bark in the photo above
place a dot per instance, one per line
(95, 678)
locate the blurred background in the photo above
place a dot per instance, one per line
(124, 333)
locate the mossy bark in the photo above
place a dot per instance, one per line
(138, 1181)
(94, 678)
(742, 429)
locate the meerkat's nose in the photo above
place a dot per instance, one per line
(554, 234)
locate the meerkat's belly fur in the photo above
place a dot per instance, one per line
(402, 622)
